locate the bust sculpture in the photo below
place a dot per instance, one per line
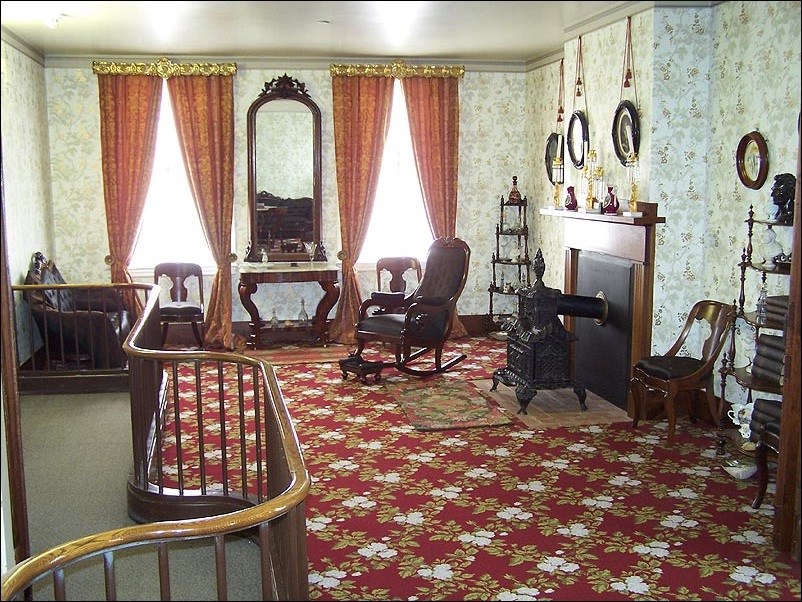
(783, 192)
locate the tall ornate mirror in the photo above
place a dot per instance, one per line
(284, 165)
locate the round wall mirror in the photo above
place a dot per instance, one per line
(284, 171)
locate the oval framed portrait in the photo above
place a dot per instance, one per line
(554, 148)
(578, 138)
(626, 131)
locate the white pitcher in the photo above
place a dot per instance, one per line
(741, 415)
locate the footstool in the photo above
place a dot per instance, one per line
(361, 368)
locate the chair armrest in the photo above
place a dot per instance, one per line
(384, 302)
(434, 302)
(427, 323)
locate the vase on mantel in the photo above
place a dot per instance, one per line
(570, 199)
(611, 203)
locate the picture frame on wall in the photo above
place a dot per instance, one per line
(626, 131)
(578, 138)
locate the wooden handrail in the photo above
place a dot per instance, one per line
(275, 510)
(60, 557)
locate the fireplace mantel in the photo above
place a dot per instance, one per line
(649, 216)
(624, 237)
(616, 235)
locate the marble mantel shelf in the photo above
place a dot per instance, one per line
(648, 218)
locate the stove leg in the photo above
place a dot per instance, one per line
(524, 395)
(579, 389)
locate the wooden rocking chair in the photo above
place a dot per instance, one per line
(427, 312)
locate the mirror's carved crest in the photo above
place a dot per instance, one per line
(285, 86)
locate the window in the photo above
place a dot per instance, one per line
(170, 228)
(398, 225)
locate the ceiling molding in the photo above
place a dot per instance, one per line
(546, 59)
(262, 63)
(606, 17)
(13, 41)
(611, 15)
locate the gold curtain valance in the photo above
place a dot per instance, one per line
(163, 68)
(398, 69)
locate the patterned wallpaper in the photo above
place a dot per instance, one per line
(705, 77)
(27, 207)
(764, 81)
(76, 176)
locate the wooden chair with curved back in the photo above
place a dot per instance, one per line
(180, 309)
(397, 267)
(428, 311)
(671, 373)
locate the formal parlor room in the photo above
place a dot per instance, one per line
(401, 300)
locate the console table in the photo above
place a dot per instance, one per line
(252, 274)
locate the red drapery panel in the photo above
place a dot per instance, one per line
(433, 110)
(129, 111)
(204, 111)
(361, 117)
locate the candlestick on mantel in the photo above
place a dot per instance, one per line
(632, 176)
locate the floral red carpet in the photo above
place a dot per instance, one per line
(505, 512)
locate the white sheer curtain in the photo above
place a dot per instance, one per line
(398, 226)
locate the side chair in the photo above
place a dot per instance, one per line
(181, 309)
(397, 267)
(670, 373)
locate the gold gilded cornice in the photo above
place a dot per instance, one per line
(398, 69)
(163, 68)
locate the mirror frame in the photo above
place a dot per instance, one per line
(578, 122)
(283, 88)
(626, 114)
(554, 148)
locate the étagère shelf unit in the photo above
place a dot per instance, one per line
(747, 265)
(510, 261)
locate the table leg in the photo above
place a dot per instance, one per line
(245, 292)
(717, 409)
(319, 323)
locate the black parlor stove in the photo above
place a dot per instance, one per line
(537, 342)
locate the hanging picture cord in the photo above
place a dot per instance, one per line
(628, 69)
(580, 73)
(561, 96)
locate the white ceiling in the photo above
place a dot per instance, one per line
(501, 32)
